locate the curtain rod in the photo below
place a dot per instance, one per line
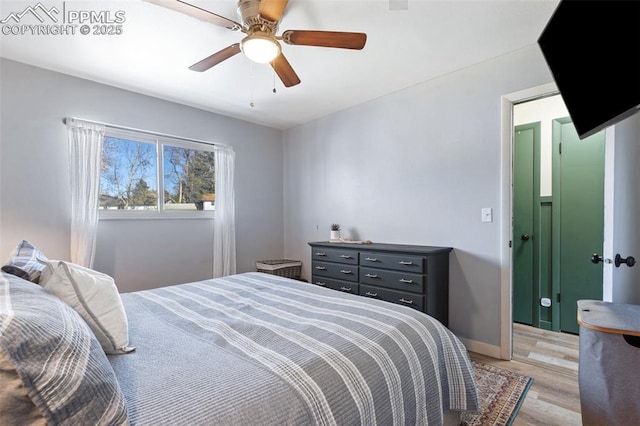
(148, 132)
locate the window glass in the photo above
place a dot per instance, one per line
(128, 177)
(189, 179)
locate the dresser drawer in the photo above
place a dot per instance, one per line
(399, 297)
(335, 270)
(404, 281)
(397, 262)
(347, 287)
(332, 255)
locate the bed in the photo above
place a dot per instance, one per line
(250, 348)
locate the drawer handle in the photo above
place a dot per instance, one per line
(402, 262)
(320, 253)
(321, 283)
(346, 271)
(320, 268)
(402, 280)
(371, 275)
(408, 302)
(371, 294)
(345, 289)
(346, 256)
(371, 259)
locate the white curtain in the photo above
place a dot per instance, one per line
(85, 148)
(224, 222)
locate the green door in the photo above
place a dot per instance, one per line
(525, 192)
(578, 203)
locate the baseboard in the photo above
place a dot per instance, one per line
(481, 348)
(545, 325)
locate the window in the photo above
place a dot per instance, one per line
(155, 177)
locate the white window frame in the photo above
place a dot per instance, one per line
(160, 213)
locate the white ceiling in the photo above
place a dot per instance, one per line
(404, 47)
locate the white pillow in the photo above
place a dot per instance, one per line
(95, 297)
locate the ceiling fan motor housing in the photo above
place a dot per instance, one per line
(249, 14)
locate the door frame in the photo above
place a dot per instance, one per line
(507, 102)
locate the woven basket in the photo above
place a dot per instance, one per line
(282, 267)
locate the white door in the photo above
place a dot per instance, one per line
(623, 175)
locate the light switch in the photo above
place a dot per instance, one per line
(487, 214)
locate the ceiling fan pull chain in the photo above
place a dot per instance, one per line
(274, 81)
(251, 104)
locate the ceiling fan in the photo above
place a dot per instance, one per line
(259, 21)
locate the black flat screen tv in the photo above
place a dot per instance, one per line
(592, 49)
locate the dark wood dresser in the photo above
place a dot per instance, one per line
(410, 275)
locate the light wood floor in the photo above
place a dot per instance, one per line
(551, 358)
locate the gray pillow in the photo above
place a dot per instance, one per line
(61, 363)
(29, 259)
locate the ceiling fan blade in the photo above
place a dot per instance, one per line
(283, 68)
(342, 40)
(272, 9)
(216, 58)
(197, 12)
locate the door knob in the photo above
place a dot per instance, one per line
(596, 258)
(630, 261)
(525, 237)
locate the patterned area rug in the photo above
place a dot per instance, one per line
(501, 394)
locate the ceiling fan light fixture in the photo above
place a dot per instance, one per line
(260, 48)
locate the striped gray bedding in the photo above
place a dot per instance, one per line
(255, 348)
(66, 377)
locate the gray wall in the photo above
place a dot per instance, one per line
(415, 167)
(34, 181)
